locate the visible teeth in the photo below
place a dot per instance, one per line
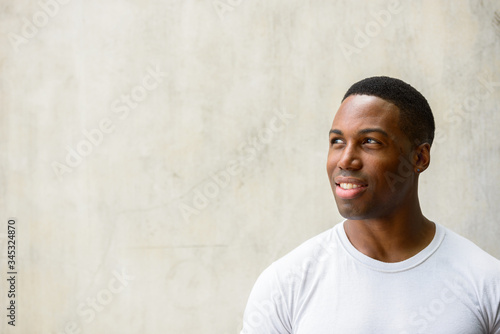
(349, 186)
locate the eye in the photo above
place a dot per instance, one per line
(371, 141)
(335, 141)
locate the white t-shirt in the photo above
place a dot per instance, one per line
(328, 286)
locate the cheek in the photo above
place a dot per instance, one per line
(389, 179)
(330, 164)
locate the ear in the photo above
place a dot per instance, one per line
(422, 157)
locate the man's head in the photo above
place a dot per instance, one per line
(415, 115)
(378, 147)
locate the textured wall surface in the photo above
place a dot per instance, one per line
(158, 155)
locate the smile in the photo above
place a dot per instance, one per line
(349, 185)
(349, 190)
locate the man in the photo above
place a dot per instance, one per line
(386, 268)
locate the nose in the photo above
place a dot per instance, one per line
(349, 158)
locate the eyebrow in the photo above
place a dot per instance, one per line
(364, 131)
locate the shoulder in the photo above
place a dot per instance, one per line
(273, 296)
(312, 251)
(472, 268)
(318, 247)
(477, 276)
(462, 250)
(311, 258)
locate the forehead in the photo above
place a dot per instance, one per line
(364, 111)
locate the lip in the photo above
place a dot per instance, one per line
(343, 179)
(349, 193)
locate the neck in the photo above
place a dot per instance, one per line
(394, 238)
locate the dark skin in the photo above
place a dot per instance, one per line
(373, 169)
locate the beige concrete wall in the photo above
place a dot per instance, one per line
(159, 154)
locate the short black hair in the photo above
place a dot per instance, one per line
(415, 114)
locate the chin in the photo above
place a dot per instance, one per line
(352, 213)
(353, 217)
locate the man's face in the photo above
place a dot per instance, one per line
(366, 150)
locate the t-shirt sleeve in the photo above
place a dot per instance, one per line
(493, 299)
(267, 311)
